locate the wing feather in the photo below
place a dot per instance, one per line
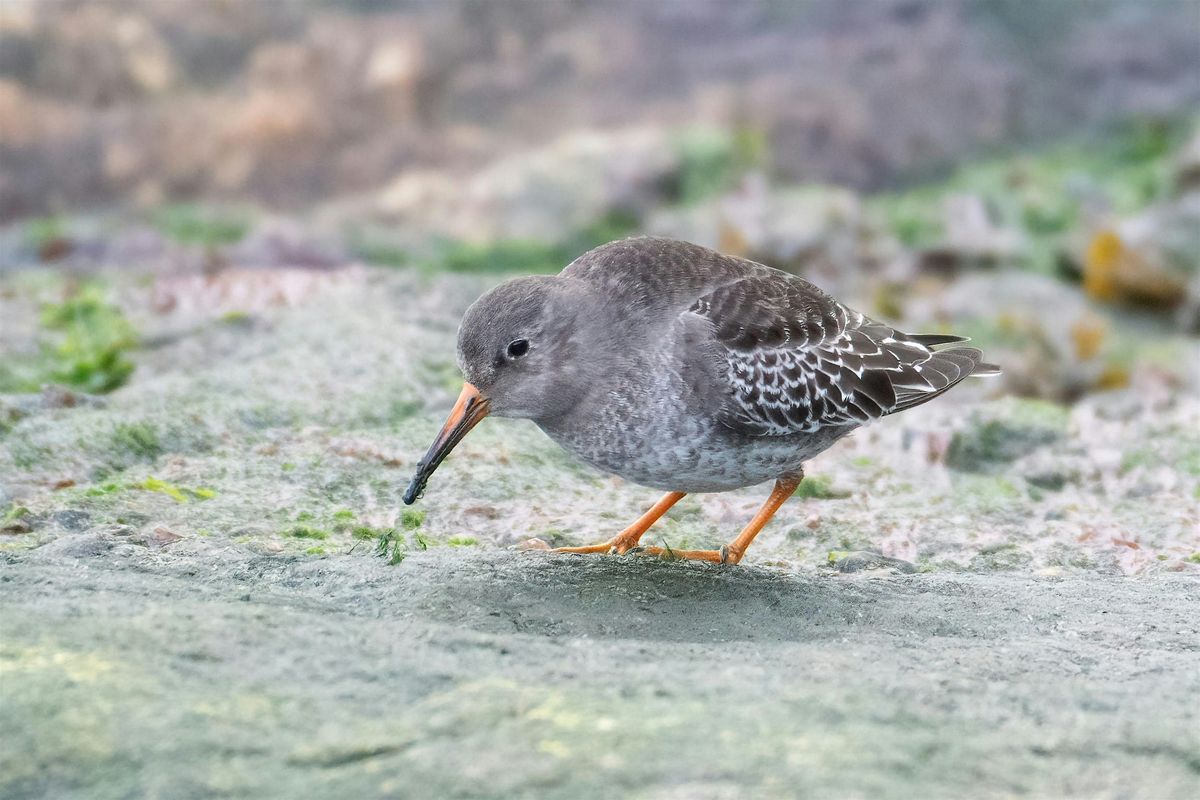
(796, 360)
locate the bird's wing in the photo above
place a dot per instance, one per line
(797, 360)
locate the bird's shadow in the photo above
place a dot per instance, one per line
(644, 598)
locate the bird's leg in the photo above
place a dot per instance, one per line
(732, 553)
(628, 538)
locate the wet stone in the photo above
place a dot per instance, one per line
(71, 520)
(865, 560)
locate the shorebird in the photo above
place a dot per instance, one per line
(679, 368)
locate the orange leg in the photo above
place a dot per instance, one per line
(732, 553)
(627, 539)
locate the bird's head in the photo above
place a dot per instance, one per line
(516, 350)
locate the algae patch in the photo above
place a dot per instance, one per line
(819, 487)
(305, 532)
(1004, 431)
(180, 494)
(84, 343)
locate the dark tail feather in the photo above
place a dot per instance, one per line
(934, 339)
(944, 370)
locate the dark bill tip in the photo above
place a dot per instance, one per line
(469, 409)
(416, 487)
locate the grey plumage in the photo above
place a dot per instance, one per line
(795, 358)
(677, 367)
(681, 368)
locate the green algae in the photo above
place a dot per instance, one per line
(711, 160)
(13, 517)
(84, 343)
(40, 233)
(1004, 431)
(202, 226)
(305, 532)
(153, 484)
(1005, 556)
(509, 255)
(180, 494)
(819, 487)
(1129, 166)
(1181, 450)
(138, 439)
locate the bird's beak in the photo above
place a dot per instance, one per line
(470, 408)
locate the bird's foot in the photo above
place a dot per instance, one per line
(617, 546)
(726, 555)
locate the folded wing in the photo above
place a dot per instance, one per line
(797, 360)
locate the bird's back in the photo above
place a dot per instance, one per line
(742, 372)
(651, 272)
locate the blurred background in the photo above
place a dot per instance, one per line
(285, 206)
(868, 145)
(236, 241)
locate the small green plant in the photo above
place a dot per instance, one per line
(462, 541)
(85, 345)
(391, 546)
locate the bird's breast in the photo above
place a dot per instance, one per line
(666, 444)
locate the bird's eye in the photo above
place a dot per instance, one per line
(518, 348)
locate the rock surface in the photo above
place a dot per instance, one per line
(208, 586)
(213, 671)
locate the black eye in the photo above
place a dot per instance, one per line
(518, 348)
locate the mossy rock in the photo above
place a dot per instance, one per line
(1004, 557)
(1004, 431)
